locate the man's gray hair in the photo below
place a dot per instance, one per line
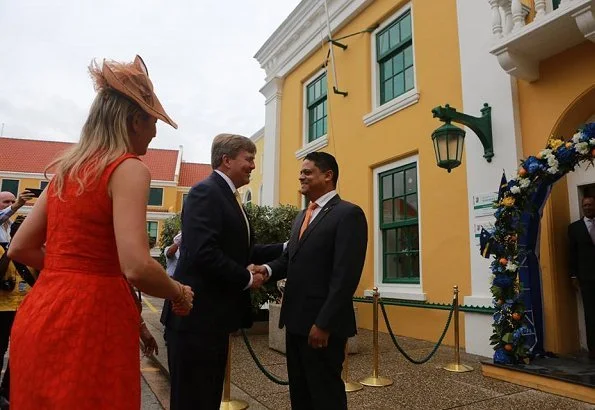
(230, 145)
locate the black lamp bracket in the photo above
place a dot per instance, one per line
(481, 126)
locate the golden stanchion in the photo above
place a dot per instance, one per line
(349, 385)
(226, 402)
(375, 380)
(457, 367)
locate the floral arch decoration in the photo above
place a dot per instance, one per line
(518, 324)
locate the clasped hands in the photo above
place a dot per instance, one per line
(260, 275)
(182, 304)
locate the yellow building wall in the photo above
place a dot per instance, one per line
(360, 149)
(562, 98)
(256, 176)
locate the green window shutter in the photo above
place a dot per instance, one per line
(156, 196)
(399, 224)
(10, 185)
(316, 100)
(394, 50)
(152, 229)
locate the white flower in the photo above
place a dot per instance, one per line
(553, 170)
(592, 141)
(515, 190)
(546, 152)
(582, 148)
(524, 183)
(576, 137)
(510, 266)
(552, 161)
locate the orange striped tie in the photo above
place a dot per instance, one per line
(311, 208)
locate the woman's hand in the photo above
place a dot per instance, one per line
(149, 345)
(182, 304)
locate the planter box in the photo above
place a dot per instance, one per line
(277, 336)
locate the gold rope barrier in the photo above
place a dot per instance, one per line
(457, 367)
(375, 380)
(226, 402)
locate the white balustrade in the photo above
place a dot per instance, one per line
(496, 18)
(518, 17)
(539, 9)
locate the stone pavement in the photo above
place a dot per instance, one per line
(425, 386)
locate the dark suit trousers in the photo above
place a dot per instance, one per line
(6, 319)
(197, 369)
(315, 374)
(588, 294)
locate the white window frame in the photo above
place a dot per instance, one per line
(406, 291)
(403, 101)
(322, 141)
(248, 192)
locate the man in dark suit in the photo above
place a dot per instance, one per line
(581, 258)
(214, 255)
(323, 263)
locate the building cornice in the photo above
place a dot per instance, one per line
(257, 135)
(302, 32)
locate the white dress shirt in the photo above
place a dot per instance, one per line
(233, 190)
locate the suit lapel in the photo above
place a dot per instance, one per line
(226, 189)
(326, 209)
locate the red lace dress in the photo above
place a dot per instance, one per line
(75, 339)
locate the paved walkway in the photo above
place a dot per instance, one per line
(425, 386)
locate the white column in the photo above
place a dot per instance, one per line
(484, 81)
(272, 139)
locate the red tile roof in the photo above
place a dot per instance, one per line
(161, 163)
(32, 156)
(191, 173)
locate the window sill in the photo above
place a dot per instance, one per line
(398, 292)
(403, 101)
(315, 145)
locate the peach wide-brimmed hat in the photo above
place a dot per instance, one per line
(132, 80)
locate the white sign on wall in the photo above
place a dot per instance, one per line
(483, 213)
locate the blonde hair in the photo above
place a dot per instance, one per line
(104, 138)
(230, 145)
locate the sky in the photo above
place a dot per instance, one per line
(199, 54)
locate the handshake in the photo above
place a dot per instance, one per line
(260, 275)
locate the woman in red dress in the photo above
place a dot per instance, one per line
(74, 342)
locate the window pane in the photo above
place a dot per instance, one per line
(400, 266)
(323, 85)
(319, 129)
(393, 33)
(406, 27)
(409, 79)
(400, 209)
(387, 211)
(408, 56)
(310, 96)
(387, 187)
(323, 125)
(316, 89)
(413, 237)
(399, 84)
(156, 196)
(387, 69)
(152, 229)
(399, 186)
(415, 265)
(411, 180)
(391, 267)
(402, 239)
(388, 91)
(11, 185)
(382, 43)
(390, 240)
(412, 206)
(398, 62)
(324, 108)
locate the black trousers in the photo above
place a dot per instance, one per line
(197, 369)
(588, 294)
(6, 319)
(315, 374)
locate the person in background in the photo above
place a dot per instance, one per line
(9, 204)
(75, 337)
(172, 254)
(15, 282)
(581, 264)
